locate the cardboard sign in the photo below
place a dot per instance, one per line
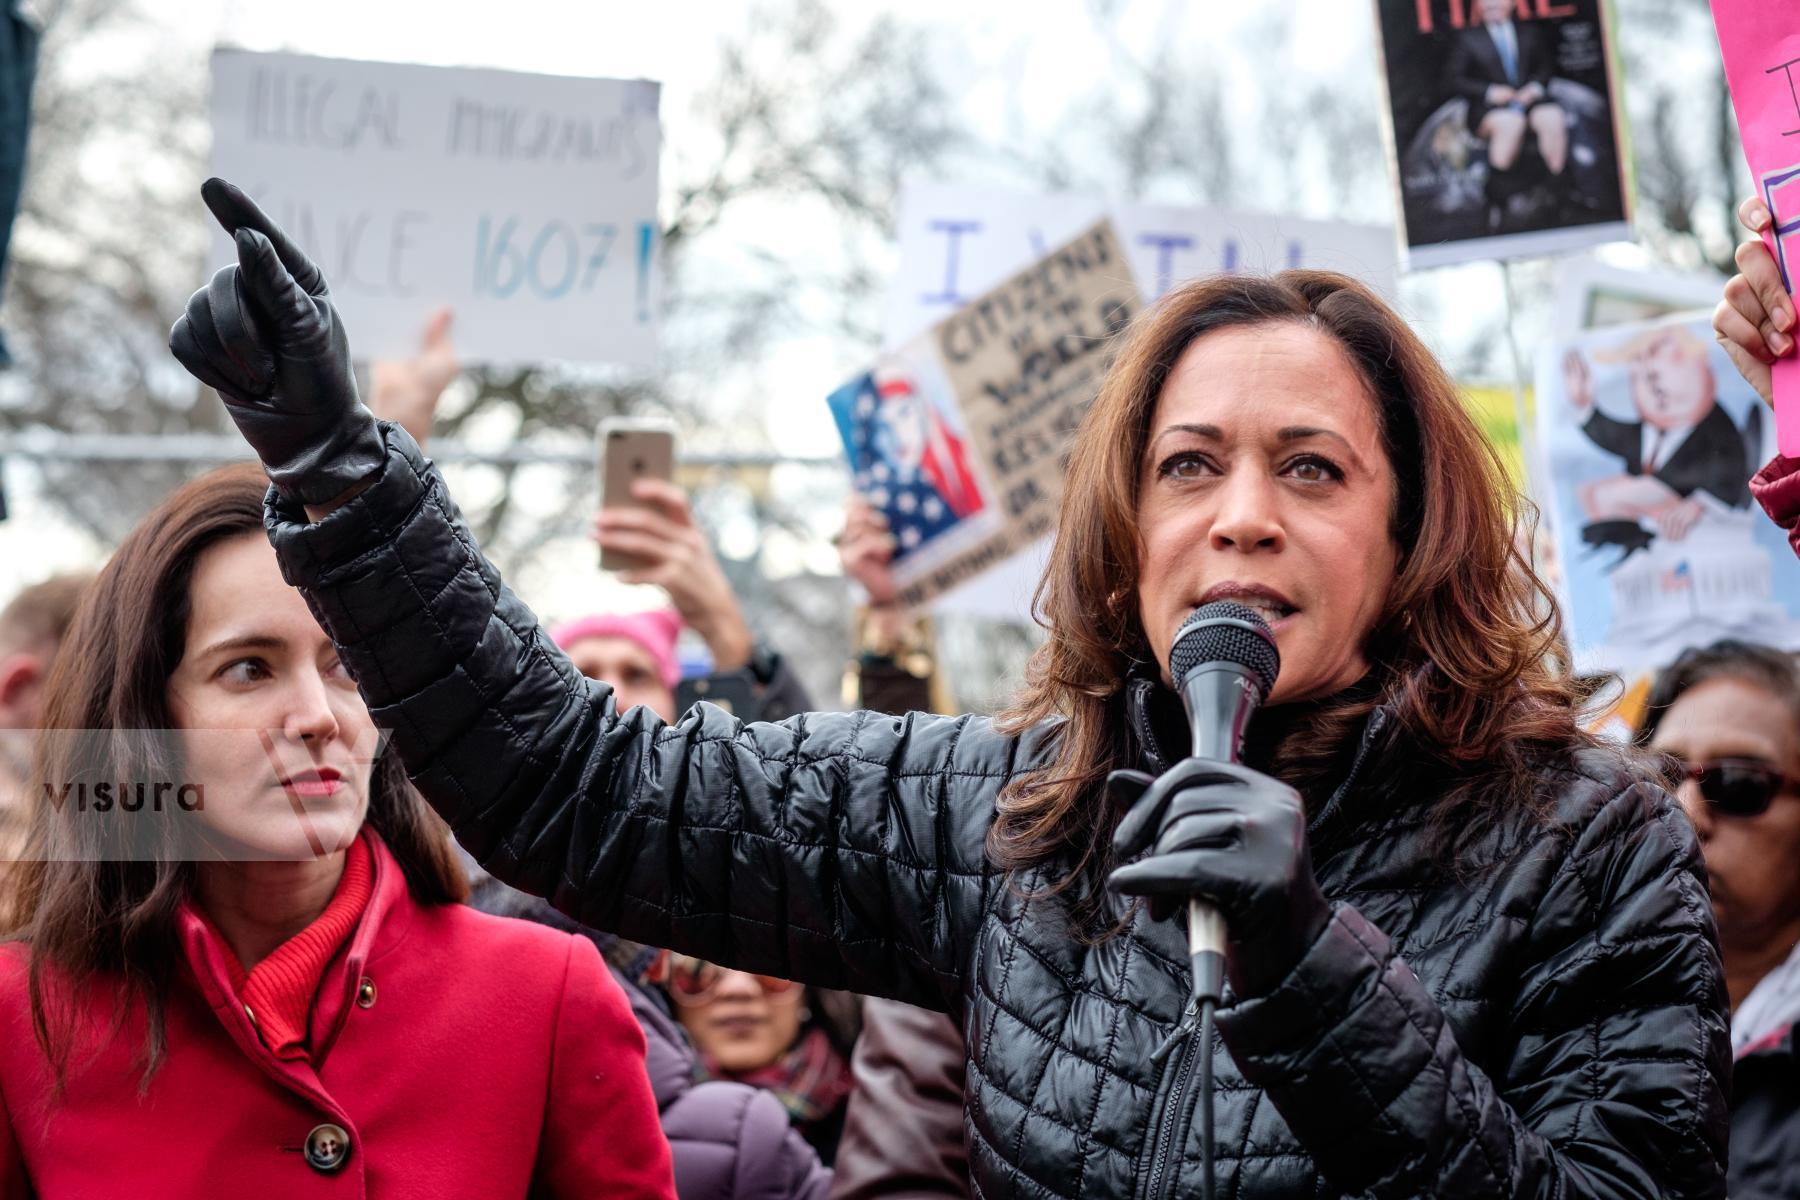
(956, 242)
(1504, 127)
(961, 435)
(1648, 435)
(527, 203)
(1761, 45)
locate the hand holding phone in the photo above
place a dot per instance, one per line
(647, 533)
(631, 450)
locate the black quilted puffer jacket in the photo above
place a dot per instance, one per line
(1548, 1020)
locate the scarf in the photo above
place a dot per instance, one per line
(1772, 1004)
(811, 1080)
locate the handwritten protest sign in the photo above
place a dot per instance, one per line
(1761, 44)
(960, 436)
(1647, 435)
(1504, 127)
(527, 203)
(956, 242)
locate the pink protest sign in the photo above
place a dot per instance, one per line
(1760, 40)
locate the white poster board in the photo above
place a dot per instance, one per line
(526, 203)
(957, 242)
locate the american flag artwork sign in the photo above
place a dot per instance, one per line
(910, 455)
(960, 435)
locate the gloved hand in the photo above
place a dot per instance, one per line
(1234, 838)
(264, 334)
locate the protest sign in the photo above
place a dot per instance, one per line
(956, 242)
(1504, 127)
(1761, 45)
(1591, 294)
(960, 436)
(527, 203)
(1648, 436)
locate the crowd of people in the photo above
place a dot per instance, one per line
(471, 909)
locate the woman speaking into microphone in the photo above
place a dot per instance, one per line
(1471, 952)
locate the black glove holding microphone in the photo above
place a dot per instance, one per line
(264, 334)
(1235, 838)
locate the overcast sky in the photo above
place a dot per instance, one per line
(658, 41)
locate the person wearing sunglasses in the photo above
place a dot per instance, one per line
(770, 1033)
(1726, 719)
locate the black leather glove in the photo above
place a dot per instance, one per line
(1234, 838)
(264, 334)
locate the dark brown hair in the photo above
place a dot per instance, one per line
(1463, 648)
(1776, 672)
(98, 893)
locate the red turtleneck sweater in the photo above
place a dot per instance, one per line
(279, 990)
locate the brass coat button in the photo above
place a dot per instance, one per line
(327, 1148)
(365, 995)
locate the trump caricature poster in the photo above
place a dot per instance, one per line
(1649, 438)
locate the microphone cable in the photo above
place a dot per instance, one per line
(1223, 664)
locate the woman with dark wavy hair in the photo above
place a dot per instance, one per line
(1471, 952)
(239, 965)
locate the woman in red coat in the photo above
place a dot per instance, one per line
(239, 967)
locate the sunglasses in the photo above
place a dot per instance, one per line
(693, 980)
(1736, 787)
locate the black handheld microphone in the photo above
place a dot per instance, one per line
(1223, 664)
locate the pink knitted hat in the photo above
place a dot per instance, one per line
(655, 630)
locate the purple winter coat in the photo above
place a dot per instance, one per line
(731, 1141)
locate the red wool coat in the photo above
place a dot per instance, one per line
(1777, 488)
(454, 1055)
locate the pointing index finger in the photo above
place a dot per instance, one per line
(234, 210)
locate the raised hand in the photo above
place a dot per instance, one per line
(1755, 321)
(265, 336)
(408, 390)
(866, 552)
(675, 555)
